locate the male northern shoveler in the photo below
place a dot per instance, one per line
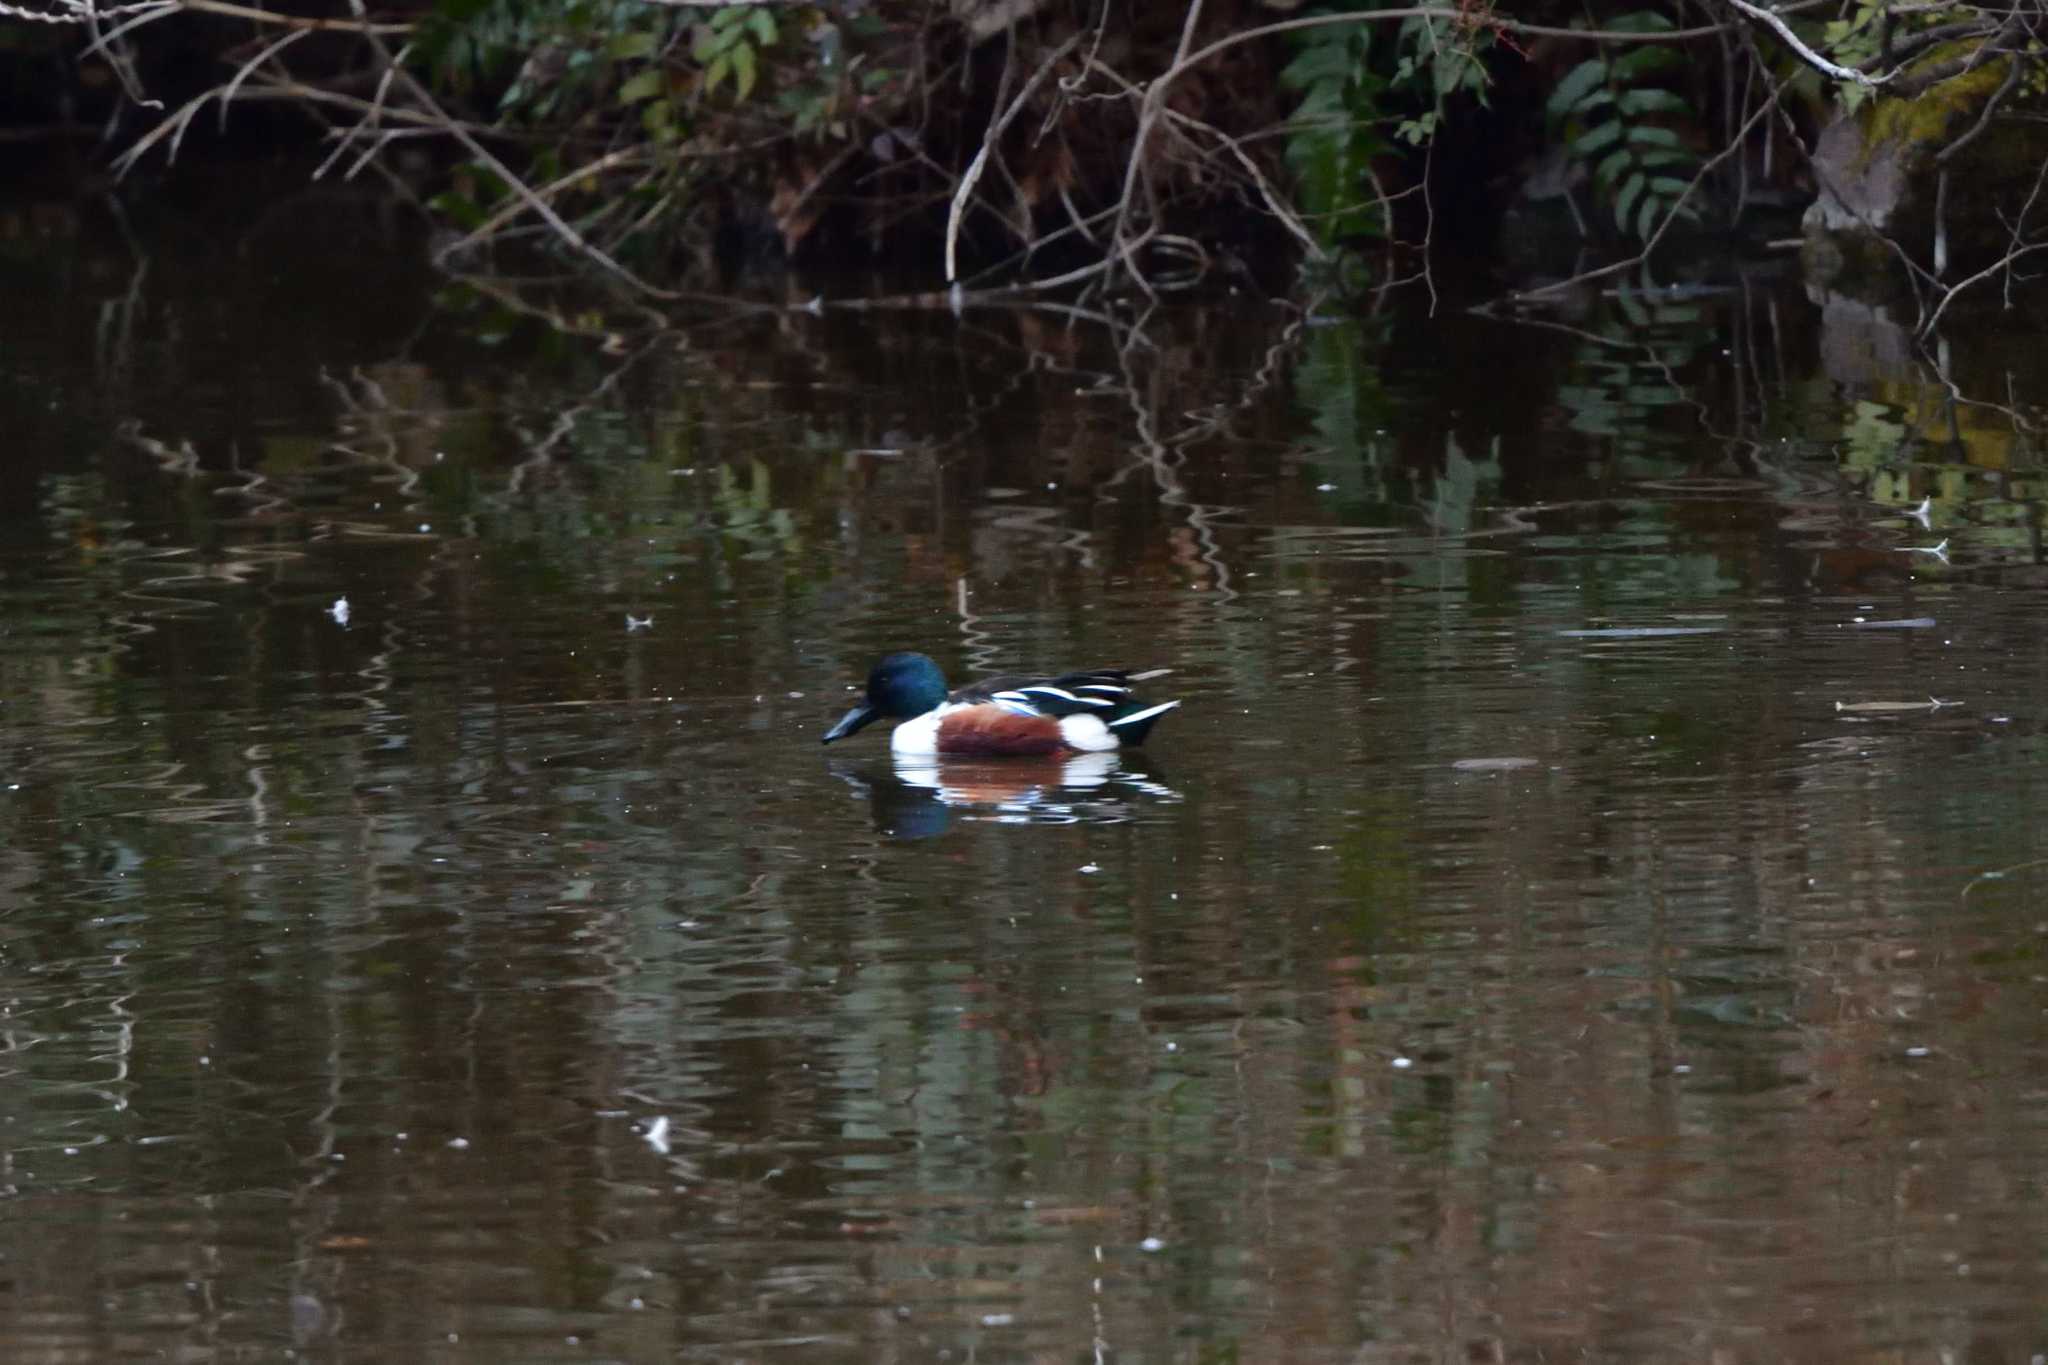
(1076, 711)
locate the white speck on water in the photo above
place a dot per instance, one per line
(634, 623)
(1326, 488)
(459, 1144)
(1403, 1063)
(1173, 1047)
(636, 1304)
(1682, 1069)
(997, 1319)
(1918, 1051)
(1088, 869)
(656, 1135)
(426, 526)
(1152, 1244)
(339, 611)
(71, 1151)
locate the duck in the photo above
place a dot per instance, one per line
(1087, 712)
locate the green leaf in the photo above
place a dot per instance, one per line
(761, 20)
(1649, 135)
(705, 43)
(1612, 165)
(627, 46)
(1649, 59)
(1317, 62)
(1596, 140)
(1650, 100)
(457, 208)
(1664, 156)
(1580, 81)
(1631, 189)
(1641, 21)
(644, 85)
(743, 68)
(716, 72)
(1646, 218)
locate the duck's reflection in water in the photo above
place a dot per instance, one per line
(915, 798)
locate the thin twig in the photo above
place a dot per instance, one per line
(989, 138)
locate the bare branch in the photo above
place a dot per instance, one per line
(1806, 54)
(989, 139)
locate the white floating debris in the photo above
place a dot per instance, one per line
(1403, 1063)
(459, 1144)
(997, 1319)
(1904, 623)
(1918, 1051)
(1326, 488)
(1152, 1244)
(1940, 551)
(638, 622)
(1923, 511)
(656, 1135)
(1493, 765)
(339, 611)
(1088, 869)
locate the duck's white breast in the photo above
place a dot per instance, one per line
(920, 734)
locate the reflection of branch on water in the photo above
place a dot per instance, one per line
(1164, 465)
(981, 650)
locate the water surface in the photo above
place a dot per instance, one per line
(1590, 904)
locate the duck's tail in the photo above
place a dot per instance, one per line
(1133, 725)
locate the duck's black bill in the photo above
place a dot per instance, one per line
(850, 722)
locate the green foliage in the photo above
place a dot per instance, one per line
(818, 98)
(1435, 69)
(730, 45)
(1608, 110)
(1852, 40)
(585, 72)
(1333, 135)
(1348, 90)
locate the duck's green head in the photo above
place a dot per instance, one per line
(899, 687)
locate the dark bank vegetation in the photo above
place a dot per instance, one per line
(1047, 143)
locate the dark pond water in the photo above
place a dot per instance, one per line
(1591, 905)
